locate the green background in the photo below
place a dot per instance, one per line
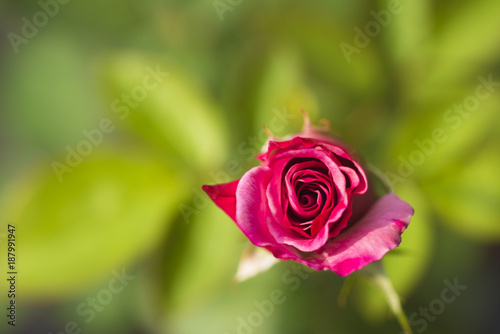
(134, 201)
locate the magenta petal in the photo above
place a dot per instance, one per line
(224, 196)
(252, 212)
(251, 208)
(368, 240)
(286, 236)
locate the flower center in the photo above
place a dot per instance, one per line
(308, 190)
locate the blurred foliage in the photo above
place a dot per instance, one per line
(132, 199)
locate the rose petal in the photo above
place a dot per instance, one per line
(246, 192)
(368, 240)
(361, 204)
(287, 236)
(224, 196)
(278, 146)
(252, 212)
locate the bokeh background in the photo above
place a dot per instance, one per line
(129, 203)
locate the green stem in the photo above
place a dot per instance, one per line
(376, 275)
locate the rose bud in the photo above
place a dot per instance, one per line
(310, 201)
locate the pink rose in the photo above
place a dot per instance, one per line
(310, 201)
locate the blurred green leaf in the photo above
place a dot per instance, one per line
(431, 142)
(465, 43)
(405, 43)
(320, 35)
(408, 48)
(49, 95)
(175, 114)
(468, 197)
(281, 92)
(106, 25)
(221, 312)
(207, 258)
(110, 210)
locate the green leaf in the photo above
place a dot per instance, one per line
(325, 41)
(175, 114)
(467, 197)
(219, 312)
(407, 47)
(49, 91)
(467, 41)
(207, 257)
(109, 211)
(282, 89)
(318, 33)
(405, 43)
(426, 145)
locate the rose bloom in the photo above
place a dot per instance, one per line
(311, 201)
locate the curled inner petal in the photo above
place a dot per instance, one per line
(307, 194)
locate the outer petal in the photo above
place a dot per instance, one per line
(224, 196)
(252, 212)
(368, 240)
(247, 192)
